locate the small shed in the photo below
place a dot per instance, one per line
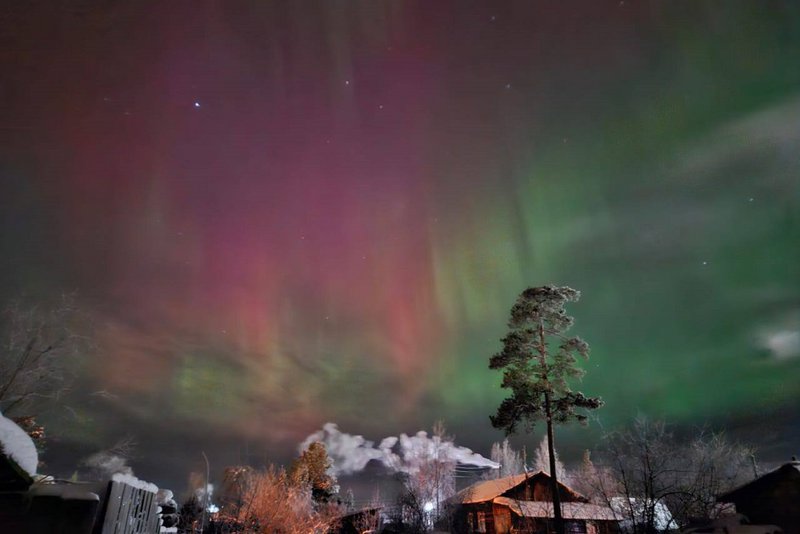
(773, 498)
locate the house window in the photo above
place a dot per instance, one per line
(575, 527)
(481, 522)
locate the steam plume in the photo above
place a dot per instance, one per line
(403, 454)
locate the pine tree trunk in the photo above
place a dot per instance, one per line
(551, 450)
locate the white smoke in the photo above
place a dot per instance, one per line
(104, 464)
(403, 454)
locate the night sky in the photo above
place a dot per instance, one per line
(279, 214)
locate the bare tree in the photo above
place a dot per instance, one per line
(37, 344)
(369, 520)
(649, 472)
(427, 475)
(271, 501)
(716, 465)
(541, 462)
(430, 486)
(409, 513)
(593, 481)
(510, 460)
(236, 482)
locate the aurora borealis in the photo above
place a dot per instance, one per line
(285, 213)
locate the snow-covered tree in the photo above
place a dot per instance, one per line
(312, 469)
(648, 468)
(510, 460)
(541, 462)
(432, 482)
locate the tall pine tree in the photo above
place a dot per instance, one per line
(537, 360)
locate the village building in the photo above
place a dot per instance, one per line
(523, 504)
(771, 499)
(732, 524)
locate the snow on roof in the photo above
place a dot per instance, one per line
(489, 489)
(569, 510)
(135, 482)
(69, 492)
(18, 445)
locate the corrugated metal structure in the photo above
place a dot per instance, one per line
(130, 510)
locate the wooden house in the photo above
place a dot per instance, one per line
(523, 504)
(773, 498)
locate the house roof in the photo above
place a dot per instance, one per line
(790, 470)
(569, 510)
(489, 489)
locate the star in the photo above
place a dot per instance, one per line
(508, 86)
(347, 82)
(705, 263)
(750, 199)
(197, 104)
